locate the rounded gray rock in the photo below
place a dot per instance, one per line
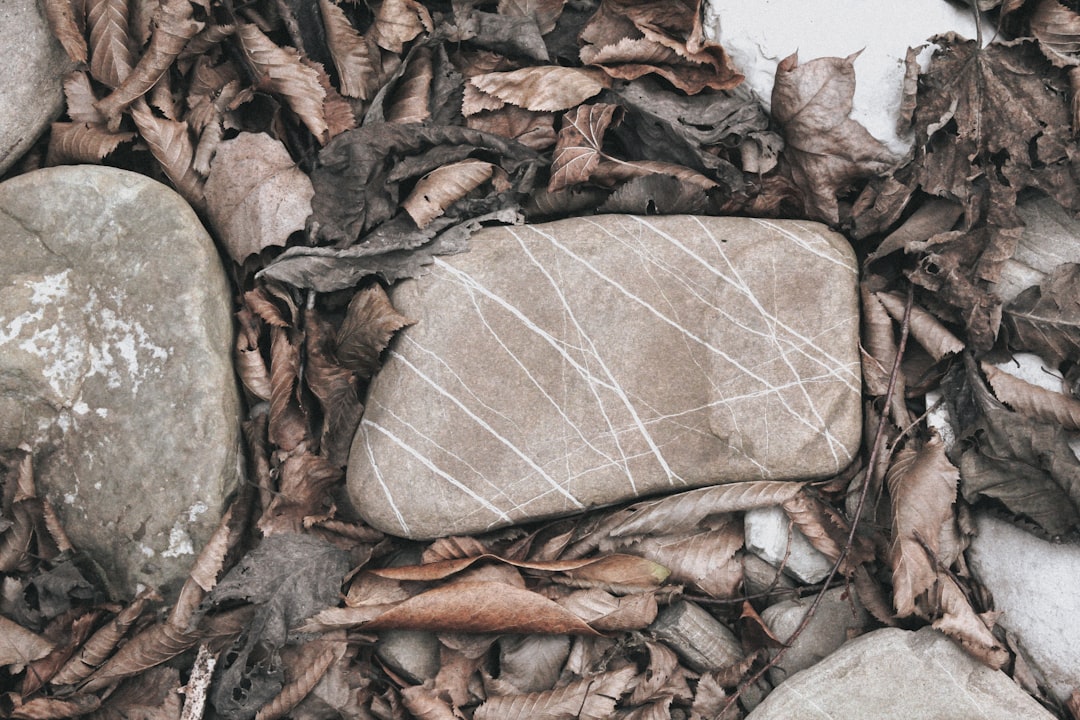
(32, 69)
(115, 337)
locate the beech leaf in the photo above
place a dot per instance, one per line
(826, 149)
(256, 196)
(591, 698)
(545, 12)
(1032, 400)
(64, 26)
(547, 88)
(352, 52)
(399, 21)
(925, 328)
(170, 145)
(610, 613)
(111, 59)
(370, 321)
(444, 186)
(82, 143)
(704, 561)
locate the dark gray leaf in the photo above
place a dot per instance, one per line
(657, 195)
(1046, 319)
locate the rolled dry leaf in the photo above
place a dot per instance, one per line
(65, 27)
(924, 327)
(1032, 400)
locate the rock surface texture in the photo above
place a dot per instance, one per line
(1033, 582)
(32, 69)
(839, 616)
(115, 336)
(583, 362)
(896, 674)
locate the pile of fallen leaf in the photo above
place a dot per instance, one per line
(336, 147)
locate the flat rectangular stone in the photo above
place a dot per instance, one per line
(564, 366)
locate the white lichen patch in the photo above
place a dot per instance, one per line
(196, 510)
(179, 543)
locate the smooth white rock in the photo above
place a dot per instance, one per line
(1034, 583)
(758, 35)
(768, 537)
(894, 674)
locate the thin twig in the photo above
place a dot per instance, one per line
(845, 551)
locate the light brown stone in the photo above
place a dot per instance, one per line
(560, 367)
(115, 337)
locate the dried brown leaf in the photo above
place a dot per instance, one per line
(453, 548)
(337, 389)
(288, 422)
(398, 22)
(426, 703)
(256, 196)
(304, 491)
(922, 483)
(80, 97)
(102, 643)
(826, 530)
(370, 321)
(549, 88)
(545, 12)
(577, 153)
(410, 101)
(959, 621)
(606, 612)
(1046, 319)
(49, 708)
(153, 646)
(173, 27)
(444, 186)
(280, 70)
(304, 668)
(925, 328)
(111, 59)
(826, 150)
(534, 130)
(170, 145)
(1032, 400)
(66, 27)
(705, 561)
(352, 52)
(260, 303)
(19, 646)
(77, 143)
(591, 698)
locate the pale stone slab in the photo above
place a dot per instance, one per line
(894, 674)
(560, 367)
(1033, 582)
(772, 537)
(32, 69)
(115, 337)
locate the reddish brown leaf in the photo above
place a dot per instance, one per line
(171, 146)
(337, 389)
(370, 321)
(153, 646)
(111, 59)
(173, 27)
(547, 88)
(304, 668)
(826, 150)
(305, 483)
(444, 186)
(925, 328)
(19, 646)
(65, 26)
(606, 612)
(288, 423)
(577, 152)
(352, 52)
(534, 130)
(48, 708)
(280, 70)
(705, 561)
(102, 643)
(398, 22)
(591, 698)
(1032, 400)
(74, 143)
(410, 101)
(256, 196)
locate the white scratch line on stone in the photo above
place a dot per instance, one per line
(382, 483)
(483, 502)
(833, 363)
(801, 242)
(494, 433)
(619, 390)
(685, 331)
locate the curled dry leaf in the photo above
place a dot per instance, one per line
(547, 88)
(922, 483)
(19, 646)
(82, 143)
(577, 153)
(111, 58)
(156, 644)
(705, 561)
(1032, 400)
(410, 101)
(925, 328)
(1046, 319)
(370, 321)
(304, 667)
(591, 698)
(398, 22)
(533, 130)
(545, 12)
(288, 422)
(45, 708)
(171, 146)
(686, 511)
(173, 27)
(826, 149)
(256, 196)
(443, 187)
(606, 612)
(336, 387)
(351, 51)
(280, 70)
(102, 643)
(66, 28)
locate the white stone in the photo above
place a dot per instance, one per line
(894, 674)
(759, 34)
(1034, 583)
(775, 539)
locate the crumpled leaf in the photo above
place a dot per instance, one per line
(704, 560)
(657, 195)
(337, 389)
(1025, 464)
(1032, 400)
(409, 102)
(280, 70)
(922, 484)
(398, 22)
(1046, 319)
(353, 54)
(925, 328)
(827, 151)
(611, 613)
(591, 698)
(256, 196)
(288, 426)
(545, 12)
(444, 186)
(19, 646)
(547, 88)
(370, 321)
(289, 577)
(65, 27)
